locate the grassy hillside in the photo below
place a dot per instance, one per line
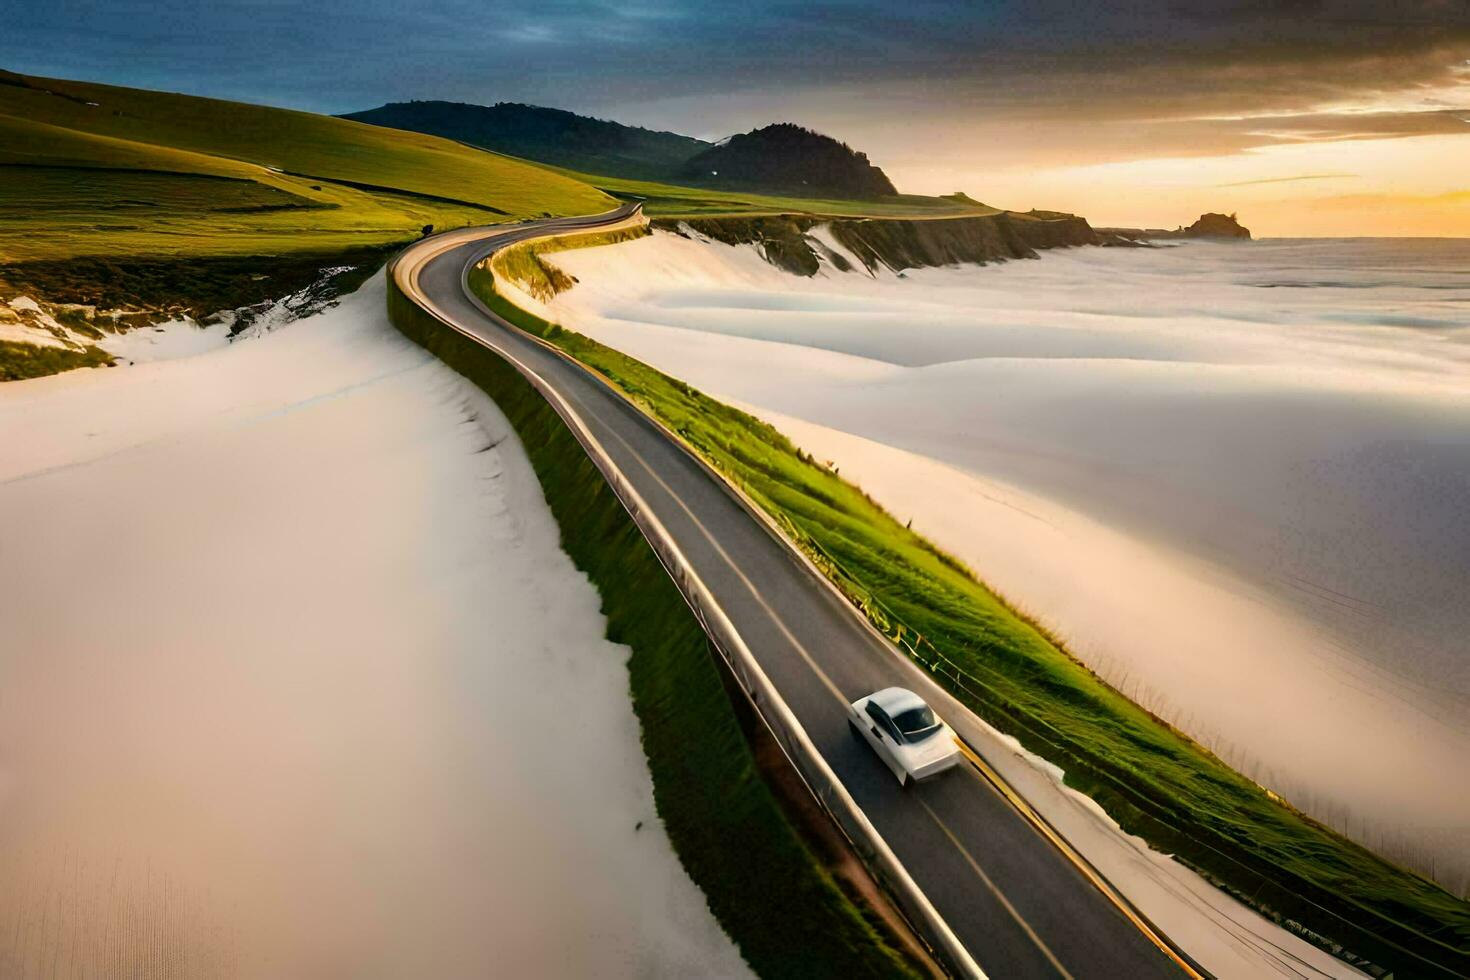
(641, 164)
(552, 136)
(663, 199)
(21, 361)
(97, 170)
(1153, 780)
(156, 204)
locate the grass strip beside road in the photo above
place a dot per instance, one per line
(1152, 779)
(772, 895)
(522, 262)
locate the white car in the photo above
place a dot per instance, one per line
(906, 733)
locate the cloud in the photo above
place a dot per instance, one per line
(929, 86)
(1286, 180)
(1132, 56)
(529, 34)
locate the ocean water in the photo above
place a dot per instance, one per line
(1284, 422)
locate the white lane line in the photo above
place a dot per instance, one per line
(755, 593)
(796, 644)
(1000, 896)
(837, 693)
(1037, 823)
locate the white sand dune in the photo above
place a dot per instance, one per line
(296, 682)
(1232, 477)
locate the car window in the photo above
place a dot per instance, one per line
(916, 723)
(876, 712)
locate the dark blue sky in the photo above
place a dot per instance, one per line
(587, 55)
(336, 57)
(934, 91)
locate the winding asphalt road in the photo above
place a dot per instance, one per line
(1020, 906)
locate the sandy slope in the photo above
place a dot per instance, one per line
(295, 681)
(1233, 480)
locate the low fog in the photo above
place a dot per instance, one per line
(295, 681)
(1233, 476)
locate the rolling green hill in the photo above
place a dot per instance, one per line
(553, 136)
(664, 199)
(779, 169)
(125, 172)
(120, 207)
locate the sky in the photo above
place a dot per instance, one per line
(1308, 117)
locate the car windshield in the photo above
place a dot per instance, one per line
(916, 723)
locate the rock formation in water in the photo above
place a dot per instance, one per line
(1213, 225)
(1209, 225)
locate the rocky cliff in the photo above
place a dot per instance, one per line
(788, 242)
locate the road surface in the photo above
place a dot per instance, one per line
(1020, 906)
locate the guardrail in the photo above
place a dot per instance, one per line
(1362, 947)
(764, 698)
(938, 665)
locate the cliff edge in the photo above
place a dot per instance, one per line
(893, 243)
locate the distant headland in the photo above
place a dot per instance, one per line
(1209, 225)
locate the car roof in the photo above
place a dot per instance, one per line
(896, 699)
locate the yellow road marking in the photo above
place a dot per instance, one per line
(989, 774)
(1080, 863)
(1000, 896)
(837, 693)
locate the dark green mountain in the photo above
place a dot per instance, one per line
(792, 159)
(780, 158)
(553, 136)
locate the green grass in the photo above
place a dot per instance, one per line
(523, 264)
(20, 361)
(672, 200)
(59, 192)
(764, 885)
(1154, 781)
(162, 201)
(162, 204)
(99, 170)
(195, 285)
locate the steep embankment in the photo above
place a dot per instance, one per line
(799, 243)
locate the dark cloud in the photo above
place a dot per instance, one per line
(1167, 70)
(1343, 126)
